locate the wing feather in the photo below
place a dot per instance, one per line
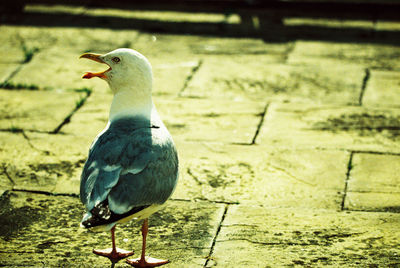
(130, 167)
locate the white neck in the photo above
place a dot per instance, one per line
(131, 103)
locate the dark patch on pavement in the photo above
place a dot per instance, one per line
(364, 124)
(13, 220)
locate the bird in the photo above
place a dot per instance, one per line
(132, 165)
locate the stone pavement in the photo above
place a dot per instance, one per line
(289, 150)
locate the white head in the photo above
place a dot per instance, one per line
(129, 70)
(130, 78)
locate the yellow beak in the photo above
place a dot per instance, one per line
(95, 57)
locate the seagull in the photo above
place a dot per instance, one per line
(132, 167)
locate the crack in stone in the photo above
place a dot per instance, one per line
(67, 119)
(217, 201)
(46, 193)
(4, 167)
(349, 168)
(267, 243)
(290, 175)
(32, 146)
(189, 78)
(260, 124)
(12, 74)
(239, 225)
(189, 171)
(364, 86)
(209, 257)
(28, 55)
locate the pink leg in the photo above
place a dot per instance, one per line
(114, 254)
(143, 261)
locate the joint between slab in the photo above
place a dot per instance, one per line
(189, 78)
(366, 78)
(8, 175)
(349, 168)
(216, 235)
(260, 124)
(45, 193)
(31, 145)
(67, 119)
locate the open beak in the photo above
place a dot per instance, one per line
(95, 57)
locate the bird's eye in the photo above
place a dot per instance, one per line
(116, 59)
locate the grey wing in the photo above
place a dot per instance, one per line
(153, 185)
(109, 156)
(129, 171)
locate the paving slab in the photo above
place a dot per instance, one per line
(41, 162)
(11, 52)
(50, 68)
(376, 56)
(94, 113)
(36, 110)
(17, 160)
(328, 126)
(218, 120)
(382, 89)
(80, 39)
(67, 156)
(6, 69)
(254, 175)
(373, 184)
(43, 230)
(192, 45)
(171, 74)
(260, 237)
(59, 69)
(188, 119)
(262, 77)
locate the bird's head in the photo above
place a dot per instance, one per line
(128, 70)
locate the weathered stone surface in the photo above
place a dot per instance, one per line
(241, 46)
(367, 55)
(260, 77)
(91, 118)
(373, 201)
(374, 183)
(78, 39)
(52, 69)
(41, 162)
(202, 120)
(382, 89)
(36, 110)
(170, 74)
(6, 70)
(188, 46)
(11, 52)
(252, 175)
(44, 230)
(188, 119)
(260, 237)
(375, 173)
(338, 127)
